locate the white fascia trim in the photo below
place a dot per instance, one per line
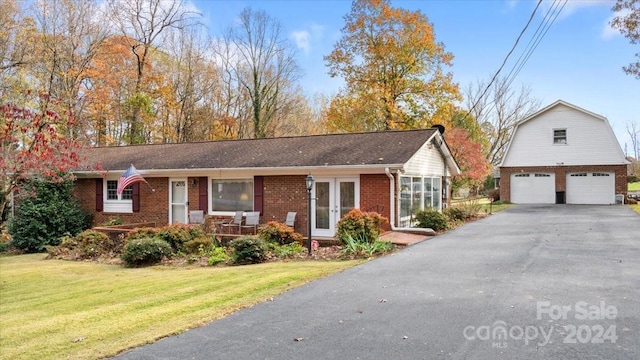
(288, 170)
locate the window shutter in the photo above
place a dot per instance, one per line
(135, 197)
(258, 193)
(99, 195)
(204, 194)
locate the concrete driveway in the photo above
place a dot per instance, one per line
(531, 282)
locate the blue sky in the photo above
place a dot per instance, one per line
(579, 60)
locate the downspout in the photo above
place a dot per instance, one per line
(392, 209)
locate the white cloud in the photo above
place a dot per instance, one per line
(609, 32)
(572, 6)
(304, 38)
(301, 38)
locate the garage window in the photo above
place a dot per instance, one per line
(543, 175)
(522, 175)
(560, 136)
(579, 174)
(600, 174)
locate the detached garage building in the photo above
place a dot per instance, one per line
(563, 154)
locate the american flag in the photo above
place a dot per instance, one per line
(131, 176)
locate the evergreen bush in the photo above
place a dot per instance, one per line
(432, 219)
(145, 251)
(249, 250)
(44, 217)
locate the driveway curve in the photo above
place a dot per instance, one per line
(531, 282)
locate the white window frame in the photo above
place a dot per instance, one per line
(558, 139)
(119, 205)
(421, 206)
(210, 181)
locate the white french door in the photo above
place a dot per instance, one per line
(333, 197)
(178, 201)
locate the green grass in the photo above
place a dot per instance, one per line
(52, 309)
(483, 204)
(634, 186)
(635, 207)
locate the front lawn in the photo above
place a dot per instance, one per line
(634, 186)
(52, 309)
(635, 207)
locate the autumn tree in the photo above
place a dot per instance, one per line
(392, 66)
(497, 109)
(68, 37)
(143, 23)
(32, 148)
(627, 21)
(470, 158)
(262, 62)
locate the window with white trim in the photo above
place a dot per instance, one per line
(232, 195)
(112, 191)
(114, 203)
(560, 136)
(418, 193)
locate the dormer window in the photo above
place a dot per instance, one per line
(560, 136)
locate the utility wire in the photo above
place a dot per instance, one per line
(539, 38)
(504, 61)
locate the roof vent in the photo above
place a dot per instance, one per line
(439, 127)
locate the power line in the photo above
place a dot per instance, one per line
(552, 14)
(505, 60)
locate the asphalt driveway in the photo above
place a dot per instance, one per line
(531, 282)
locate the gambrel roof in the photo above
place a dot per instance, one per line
(590, 140)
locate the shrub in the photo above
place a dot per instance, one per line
(494, 193)
(432, 219)
(217, 255)
(89, 244)
(288, 250)
(141, 233)
(279, 233)
(193, 246)
(113, 221)
(364, 226)
(176, 235)
(145, 251)
(5, 240)
(249, 250)
(42, 219)
(359, 248)
(455, 213)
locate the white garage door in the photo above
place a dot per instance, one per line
(591, 188)
(533, 188)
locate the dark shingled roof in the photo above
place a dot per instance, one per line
(376, 148)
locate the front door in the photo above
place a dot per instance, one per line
(333, 197)
(178, 204)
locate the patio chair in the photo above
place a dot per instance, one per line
(252, 221)
(234, 223)
(291, 219)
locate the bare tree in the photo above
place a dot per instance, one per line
(16, 48)
(69, 39)
(264, 67)
(143, 22)
(498, 111)
(634, 134)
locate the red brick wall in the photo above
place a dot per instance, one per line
(561, 176)
(281, 194)
(154, 202)
(374, 195)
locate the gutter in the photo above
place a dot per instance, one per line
(392, 210)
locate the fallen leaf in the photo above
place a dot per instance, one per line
(298, 339)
